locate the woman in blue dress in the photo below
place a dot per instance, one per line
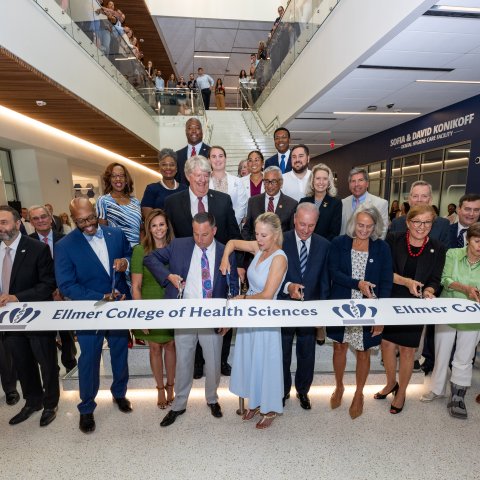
(118, 207)
(257, 371)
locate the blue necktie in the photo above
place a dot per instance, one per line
(460, 239)
(303, 257)
(282, 164)
(207, 288)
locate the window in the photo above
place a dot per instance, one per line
(377, 173)
(7, 178)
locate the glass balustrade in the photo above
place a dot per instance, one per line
(301, 20)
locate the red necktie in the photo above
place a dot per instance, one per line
(201, 206)
(270, 205)
(194, 152)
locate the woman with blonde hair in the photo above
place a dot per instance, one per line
(322, 192)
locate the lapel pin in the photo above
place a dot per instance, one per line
(371, 260)
(279, 206)
(23, 251)
(432, 250)
(325, 204)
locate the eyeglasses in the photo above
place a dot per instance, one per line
(118, 176)
(83, 221)
(418, 223)
(273, 183)
(41, 217)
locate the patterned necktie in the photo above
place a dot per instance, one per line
(282, 163)
(201, 206)
(206, 279)
(303, 257)
(194, 152)
(6, 270)
(270, 205)
(460, 239)
(357, 203)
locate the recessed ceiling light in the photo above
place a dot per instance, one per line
(451, 8)
(210, 56)
(462, 82)
(310, 131)
(142, 155)
(377, 113)
(41, 103)
(323, 144)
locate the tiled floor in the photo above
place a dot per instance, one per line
(423, 442)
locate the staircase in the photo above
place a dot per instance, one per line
(230, 131)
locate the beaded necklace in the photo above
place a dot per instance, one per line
(409, 248)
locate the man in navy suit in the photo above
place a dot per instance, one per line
(281, 137)
(307, 279)
(194, 262)
(41, 220)
(468, 213)
(90, 264)
(195, 146)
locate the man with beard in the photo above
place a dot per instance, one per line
(90, 264)
(281, 159)
(28, 276)
(295, 182)
(195, 146)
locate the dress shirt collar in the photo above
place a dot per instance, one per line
(461, 227)
(287, 156)
(49, 236)
(360, 200)
(308, 241)
(14, 244)
(198, 147)
(98, 234)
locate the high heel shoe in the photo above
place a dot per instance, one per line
(383, 396)
(336, 398)
(161, 401)
(170, 394)
(394, 410)
(356, 410)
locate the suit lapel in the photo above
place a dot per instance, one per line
(20, 256)
(110, 249)
(90, 254)
(185, 205)
(218, 258)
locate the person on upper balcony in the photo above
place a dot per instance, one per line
(205, 83)
(281, 138)
(195, 146)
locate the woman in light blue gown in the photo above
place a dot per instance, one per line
(257, 371)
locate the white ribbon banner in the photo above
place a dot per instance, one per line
(199, 313)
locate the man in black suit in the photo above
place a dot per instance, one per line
(468, 213)
(181, 207)
(282, 160)
(273, 200)
(28, 276)
(57, 225)
(195, 146)
(306, 279)
(41, 221)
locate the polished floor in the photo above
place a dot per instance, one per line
(423, 442)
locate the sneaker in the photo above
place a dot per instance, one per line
(416, 366)
(430, 397)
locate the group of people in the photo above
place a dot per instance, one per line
(278, 232)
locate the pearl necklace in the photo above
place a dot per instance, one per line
(409, 248)
(472, 263)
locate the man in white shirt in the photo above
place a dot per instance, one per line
(358, 185)
(26, 221)
(205, 84)
(193, 263)
(295, 182)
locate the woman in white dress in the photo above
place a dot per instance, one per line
(257, 371)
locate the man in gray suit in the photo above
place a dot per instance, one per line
(193, 262)
(358, 185)
(273, 200)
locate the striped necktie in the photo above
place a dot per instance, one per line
(270, 205)
(6, 270)
(303, 257)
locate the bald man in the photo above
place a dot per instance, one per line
(88, 263)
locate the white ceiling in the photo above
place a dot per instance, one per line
(428, 42)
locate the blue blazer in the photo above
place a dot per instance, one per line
(176, 259)
(273, 162)
(453, 235)
(80, 274)
(316, 278)
(379, 269)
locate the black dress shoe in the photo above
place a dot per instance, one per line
(226, 369)
(12, 398)
(24, 413)
(48, 416)
(216, 409)
(304, 401)
(198, 371)
(124, 404)
(170, 417)
(286, 397)
(87, 423)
